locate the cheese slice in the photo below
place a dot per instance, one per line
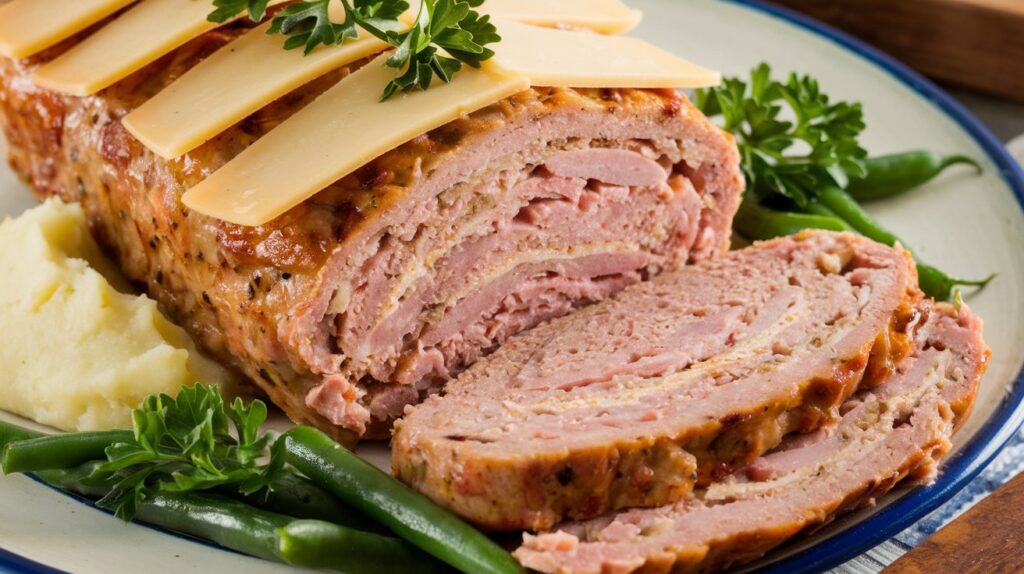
(602, 16)
(31, 26)
(140, 36)
(234, 82)
(343, 130)
(254, 70)
(562, 58)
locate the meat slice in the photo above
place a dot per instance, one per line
(373, 293)
(668, 386)
(898, 430)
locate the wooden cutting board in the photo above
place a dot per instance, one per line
(977, 44)
(987, 539)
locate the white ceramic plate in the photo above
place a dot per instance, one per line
(965, 224)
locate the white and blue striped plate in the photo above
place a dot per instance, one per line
(966, 224)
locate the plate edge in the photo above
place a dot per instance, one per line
(966, 464)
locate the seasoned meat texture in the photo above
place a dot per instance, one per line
(373, 293)
(668, 386)
(899, 430)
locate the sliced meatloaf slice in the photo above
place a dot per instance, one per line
(898, 430)
(667, 386)
(376, 291)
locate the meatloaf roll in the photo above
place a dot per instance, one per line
(898, 430)
(666, 387)
(374, 292)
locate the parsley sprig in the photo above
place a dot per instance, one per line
(448, 25)
(308, 24)
(446, 34)
(794, 155)
(227, 9)
(185, 444)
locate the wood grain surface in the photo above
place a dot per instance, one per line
(973, 43)
(987, 539)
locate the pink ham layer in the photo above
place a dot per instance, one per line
(493, 450)
(661, 179)
(435, 330)
(899, 429)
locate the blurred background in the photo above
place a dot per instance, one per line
(974, 48)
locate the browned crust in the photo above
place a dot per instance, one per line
(233, 287)
(935, 421)
(744, 549)
(538, 490)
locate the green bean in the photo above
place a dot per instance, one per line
(894, 174)
(846, 208)
(815, 207)
(291, 494)
(384, 499)
(296, 496)
(757, 223)
(940, 286)
(268, 535)
(75, 480)
(60, 450)
(13, 433)
(933, 282)
(229, 523)
(316, 544)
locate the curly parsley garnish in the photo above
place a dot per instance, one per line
(227, 9)
(795, 157)
(446, 34)
(186, 443)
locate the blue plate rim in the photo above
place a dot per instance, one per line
(968, 462)
(17, 564)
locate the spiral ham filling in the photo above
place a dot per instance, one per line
(666, 387)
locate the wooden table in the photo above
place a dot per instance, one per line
(974, 43)
(987, 539)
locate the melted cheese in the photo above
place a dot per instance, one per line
(236, 81)
(561, 58)
(602, 16)
(341, 131)
(140, 36)
(30, 26)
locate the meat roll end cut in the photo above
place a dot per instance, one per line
(666, 387)
(898, 430)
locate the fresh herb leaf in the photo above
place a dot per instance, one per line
(796, 154)
(309, 24)
(226, 10)
(192, 442)
(379, 17)
(127, 491)
(446, 34)
(799, 152)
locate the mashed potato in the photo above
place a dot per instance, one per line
(76, 353)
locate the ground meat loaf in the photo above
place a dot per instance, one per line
(370, 295)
